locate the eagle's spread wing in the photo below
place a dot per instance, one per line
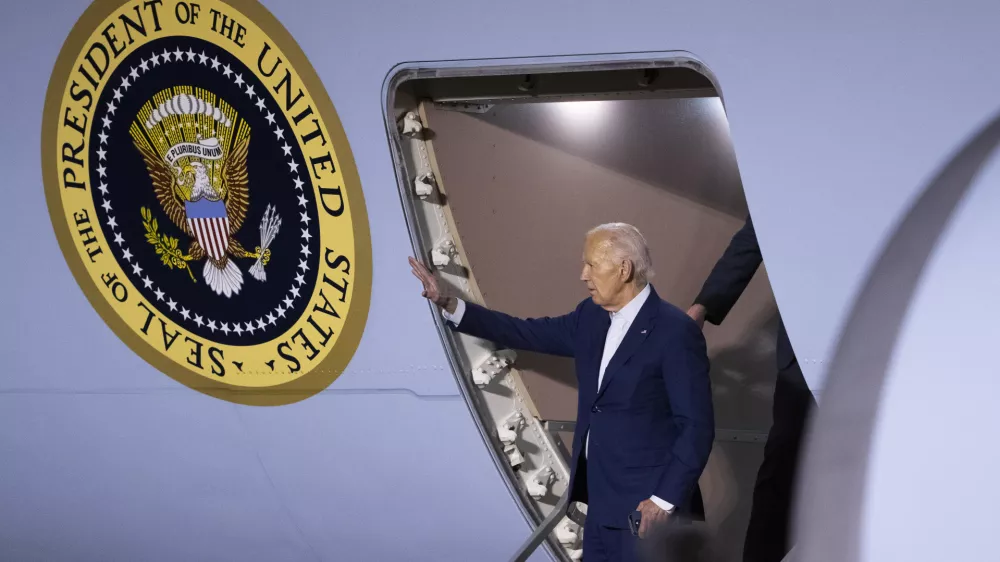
(163, 183)
(235, 177)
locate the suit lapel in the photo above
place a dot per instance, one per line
(600, 334)
(637, 333)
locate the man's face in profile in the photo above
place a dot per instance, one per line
(605, 279)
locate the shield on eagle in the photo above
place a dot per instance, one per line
(210, 224)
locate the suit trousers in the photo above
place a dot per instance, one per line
(602, 543)
(605, 544)
(767, 538)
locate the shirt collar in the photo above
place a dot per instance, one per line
(628, 312)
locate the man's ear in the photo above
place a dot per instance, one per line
(627, 270)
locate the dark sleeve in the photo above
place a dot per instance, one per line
(689, 390)
(554, 336)
(730, 275)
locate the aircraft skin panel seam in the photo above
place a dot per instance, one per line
(182, 391)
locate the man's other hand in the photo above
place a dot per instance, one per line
(431, 291)
(652, 517)
(697, 313)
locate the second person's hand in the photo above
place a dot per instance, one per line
(697, 313)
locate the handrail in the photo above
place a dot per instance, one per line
(543, 530)
(724, 435)
(553, 426)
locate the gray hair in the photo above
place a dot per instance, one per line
(627, 243)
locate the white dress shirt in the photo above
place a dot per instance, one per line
(620, 322)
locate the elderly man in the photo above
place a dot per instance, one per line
(645, 422)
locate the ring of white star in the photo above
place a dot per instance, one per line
(248, 327)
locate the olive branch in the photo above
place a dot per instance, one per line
(166, 246)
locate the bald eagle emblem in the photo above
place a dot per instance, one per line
(195, 149)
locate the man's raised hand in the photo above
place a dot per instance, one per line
(431, 291)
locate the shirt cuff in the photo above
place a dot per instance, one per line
(663, 504)
(456, 317)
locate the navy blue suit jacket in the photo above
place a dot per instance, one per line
(651, 423)
(730, 276)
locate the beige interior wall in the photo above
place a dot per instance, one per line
(522, 208)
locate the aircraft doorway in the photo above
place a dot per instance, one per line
(502, 172)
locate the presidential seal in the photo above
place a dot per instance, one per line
(205, 197)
